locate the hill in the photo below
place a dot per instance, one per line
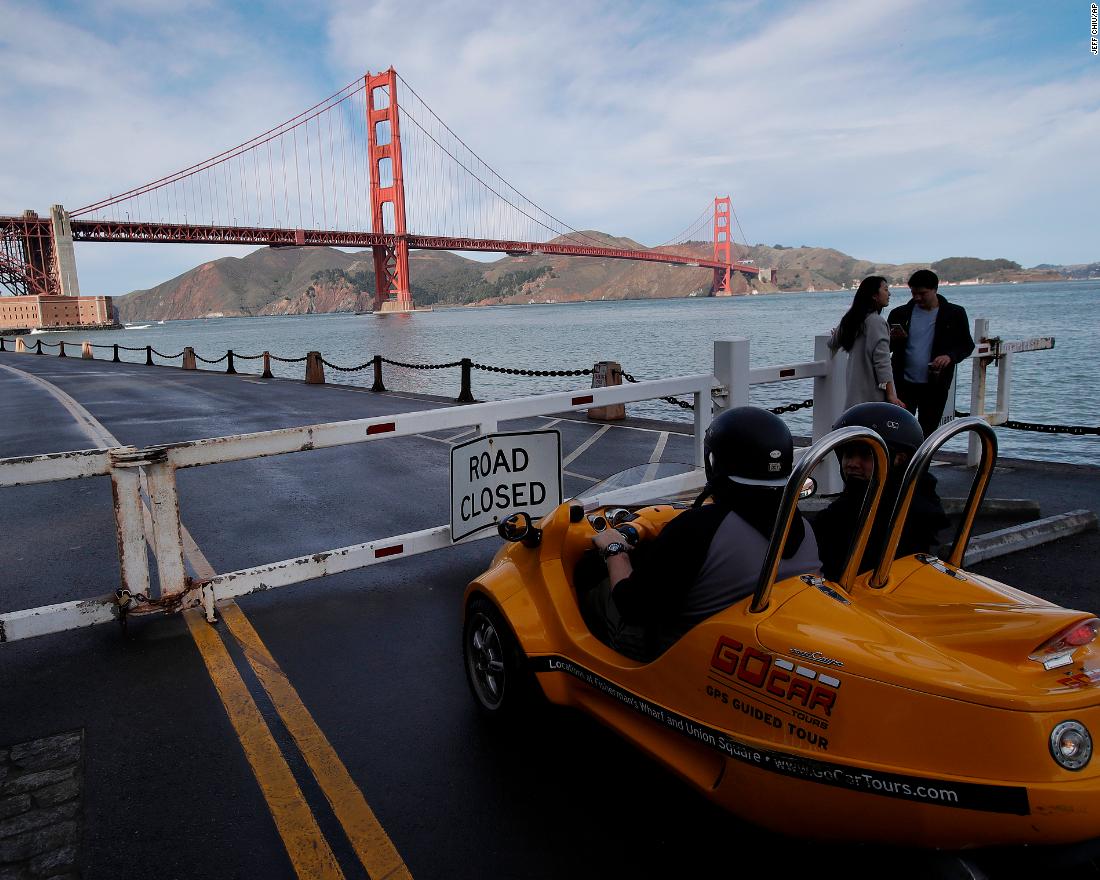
(306, 280)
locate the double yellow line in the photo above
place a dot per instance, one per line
(307, 847)
(309, 850)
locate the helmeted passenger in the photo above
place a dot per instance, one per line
(711, 555)
(836, 526)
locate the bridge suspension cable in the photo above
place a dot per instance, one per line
(508, 213)
(697, 226)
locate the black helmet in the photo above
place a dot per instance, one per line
(750, 446)
(897, 426)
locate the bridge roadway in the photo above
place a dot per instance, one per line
(373, 657)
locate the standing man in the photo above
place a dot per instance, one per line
(928, 336)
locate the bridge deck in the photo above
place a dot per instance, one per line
(374, 656)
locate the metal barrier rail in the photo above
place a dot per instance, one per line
(157, 522)
(152, 471)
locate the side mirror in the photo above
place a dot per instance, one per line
(808, 488)
(519, 527)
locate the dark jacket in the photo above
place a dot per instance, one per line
(835, 526)
(952, 338)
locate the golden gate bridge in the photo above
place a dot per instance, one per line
(371, 166)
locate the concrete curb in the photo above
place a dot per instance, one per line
(1032, 534)
(994, 506)
(951, 506)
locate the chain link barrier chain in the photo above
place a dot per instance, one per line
(347, 369)
(683, 404)
(517, 372)
(1079, 430)
(283, 360)
(779, 410)
(421, 366)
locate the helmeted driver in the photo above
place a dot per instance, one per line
(711, 555)
(836, 525)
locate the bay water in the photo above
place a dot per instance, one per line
(658, 339)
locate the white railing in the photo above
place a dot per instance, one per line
(152, 471)
(156, 519)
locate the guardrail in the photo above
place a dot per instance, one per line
(156, 521)
(152, 471)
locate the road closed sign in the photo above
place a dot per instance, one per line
(495, 476)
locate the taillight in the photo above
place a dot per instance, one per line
(1058, 651)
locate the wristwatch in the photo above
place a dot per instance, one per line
(613, 549)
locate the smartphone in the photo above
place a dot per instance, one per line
(897, 330)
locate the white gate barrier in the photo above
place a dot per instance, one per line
(156, 519)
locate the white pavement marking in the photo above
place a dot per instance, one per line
(655, 458)
(89, 427)
(306, 844)
(435, 439)
(584, 446)
(581, 476)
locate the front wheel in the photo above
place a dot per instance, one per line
(495, 666)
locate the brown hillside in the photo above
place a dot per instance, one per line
(306, 280)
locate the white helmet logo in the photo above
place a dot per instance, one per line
(890, 424)
(775, 453)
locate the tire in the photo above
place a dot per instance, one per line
(496, 668)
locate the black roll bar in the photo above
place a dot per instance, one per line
(788, 507)
(922, 458)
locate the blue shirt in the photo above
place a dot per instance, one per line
(918, 347)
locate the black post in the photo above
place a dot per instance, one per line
(378, 386)
(229, 362)
(115, 358)
(148, 355)
(61, 353)
(38, 347)
(464, 396)
(2, 347)
(267, 374)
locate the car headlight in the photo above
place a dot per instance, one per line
(1071, 745)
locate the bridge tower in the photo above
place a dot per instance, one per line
(722, 246)
(387, 194)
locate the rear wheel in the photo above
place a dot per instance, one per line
(495, 666)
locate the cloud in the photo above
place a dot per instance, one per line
(899, 131)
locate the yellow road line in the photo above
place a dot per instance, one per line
(305, 844)
(371, 843)
(307, 847)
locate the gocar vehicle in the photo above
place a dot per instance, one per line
(915, 704)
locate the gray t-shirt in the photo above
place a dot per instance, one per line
(918, 348)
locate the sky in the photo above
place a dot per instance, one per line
(903, 131)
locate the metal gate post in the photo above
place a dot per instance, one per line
(977, 393)
(703, 417)
(829, 394)
(167, 532)
(731, 369)
(129, 521)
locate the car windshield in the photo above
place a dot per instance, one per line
(643, 473)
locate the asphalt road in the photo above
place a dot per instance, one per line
(374, 655)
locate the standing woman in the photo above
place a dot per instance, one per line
(863, 333)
